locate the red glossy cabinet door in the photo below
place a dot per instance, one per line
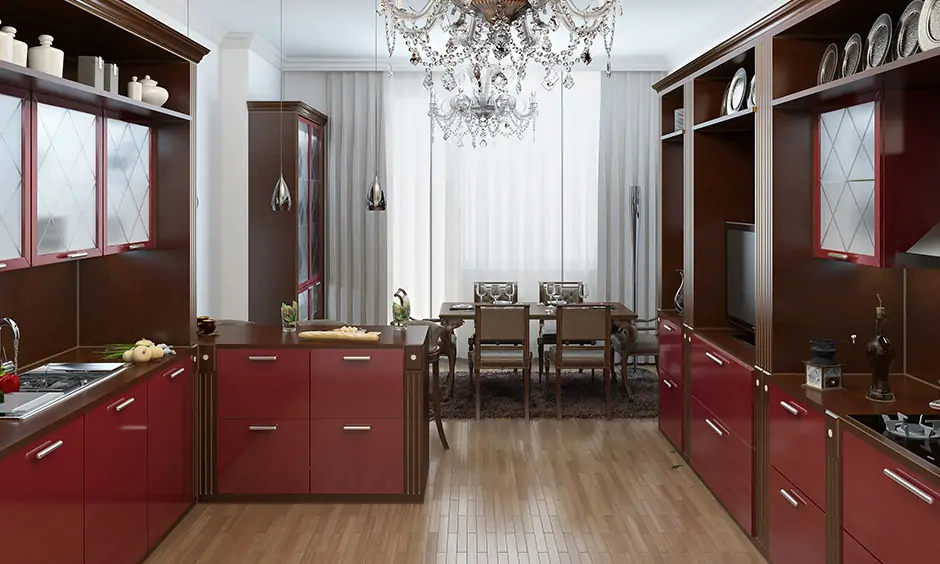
(854, 553)
(169, 448)
(888, 507)
(797, 526)
(670, 350)
(116, 479)
(356, 383)
(42, 495)
(670, 409)
(725, 387)
(264, 456)
(798, 445)
(264, 383)
(357, 456)
(723, 462)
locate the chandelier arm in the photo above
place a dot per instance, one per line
(595, 12)
(412, 15)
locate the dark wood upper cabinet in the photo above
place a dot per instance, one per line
(286, 249)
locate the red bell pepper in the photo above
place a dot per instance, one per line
(9, 383)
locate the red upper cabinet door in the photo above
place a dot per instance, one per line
(724, 386)
(66, 223)
(42, 495)
(888, 507)
(670, 350)
(797, 526)
(798, 445)
(116, 479)
(128, 181)
(14, 168)
(169, 447)
(264, 383)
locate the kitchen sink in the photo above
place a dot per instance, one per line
(45, 386)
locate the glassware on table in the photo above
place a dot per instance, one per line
(583, 291)
(510, 290)
(481, 291)
(494, 292)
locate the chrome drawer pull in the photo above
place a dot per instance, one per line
(668, 384)
(136, 246)
(909, 486)
(76, 255)
(357, 427)
(124, 404)
(262, 427)
(715, 359)
(263, 358)
(715, 428)
(839, 256)
(668, 327)
(176, 373)
(790, 408)
(789, 498)
(358, 358)
(49, 450)
(3, 265)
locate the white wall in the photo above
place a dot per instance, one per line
(264, 78)
(306, 86)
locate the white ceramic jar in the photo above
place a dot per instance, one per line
(19, 47)
(46, 58)
(134, 89)
(151, 93)
(6, 47)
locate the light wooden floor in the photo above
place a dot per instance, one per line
(572, 491)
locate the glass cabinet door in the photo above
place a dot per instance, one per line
(128, 186)
(12, 252)
(316, 219)
(303, 203)
(66, 221)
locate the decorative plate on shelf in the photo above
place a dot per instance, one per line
(738, 91)
(828, 64)
(851, 55)
(724, 101)
(879, 42)
(752, 93)
(928, 25)
(905, 41)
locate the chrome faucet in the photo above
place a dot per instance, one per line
(8, 366)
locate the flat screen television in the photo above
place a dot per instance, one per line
(741, 256)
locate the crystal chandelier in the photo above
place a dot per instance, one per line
(482, 107)
(481, 32)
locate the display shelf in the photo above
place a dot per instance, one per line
(742, 120)
(674, 137)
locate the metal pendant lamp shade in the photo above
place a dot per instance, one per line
(375, 198)
(280, 198)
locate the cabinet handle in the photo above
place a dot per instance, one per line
(357, 427)
(789, 498)
(793, 411)
(668, 327)
(136, 246)
(909, 486)
(262, 427)
(715, 428)
(3, 265)
(176, 373)
(668, 384)
(76, 255)
(715, 359)
(838, 256)
(358, 358)
(49, 450)
(263, 358)
(121, 406)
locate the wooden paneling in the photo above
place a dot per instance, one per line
(43, 302)
(671, 222)
(763, 212)
(923, 325)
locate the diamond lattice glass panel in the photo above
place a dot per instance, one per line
(11, 177)
(129, 184)
(315, 260)
(303, 308)
(66, 195)
(303, 203)
(847, 180)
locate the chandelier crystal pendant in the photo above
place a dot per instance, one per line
(482, 108)
(514, 32)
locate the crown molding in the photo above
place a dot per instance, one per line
(326, 64)
(254, 43)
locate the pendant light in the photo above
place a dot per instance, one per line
(280, 199)
(375, 198)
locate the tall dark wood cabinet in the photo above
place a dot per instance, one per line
(286, 249)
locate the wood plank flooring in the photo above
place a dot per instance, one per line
(508, 492)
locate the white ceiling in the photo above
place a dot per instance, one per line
(675, 31)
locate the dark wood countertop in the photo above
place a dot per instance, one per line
(723, 338)
(16, 434)
(266, 336)
(672, 315)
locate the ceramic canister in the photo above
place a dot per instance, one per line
(134, 90)
(45, 57)
(19, 47)
(6, 47)
(153, 94)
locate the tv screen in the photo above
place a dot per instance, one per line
(741, 255)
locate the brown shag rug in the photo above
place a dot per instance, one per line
(502, 398)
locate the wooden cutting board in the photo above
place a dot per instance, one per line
(337, 336)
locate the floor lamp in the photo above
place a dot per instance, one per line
(635, 207)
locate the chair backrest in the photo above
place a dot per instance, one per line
(570, 292)
(487, 299)
(581, 323)
(507, 324)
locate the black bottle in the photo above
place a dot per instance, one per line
(880, 353)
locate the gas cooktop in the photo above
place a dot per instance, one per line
(919, 434)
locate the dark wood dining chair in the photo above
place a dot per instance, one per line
(435, 344)
(502, 341)
(575, 325)
(488, 299)
(640, 338)
(570, 292)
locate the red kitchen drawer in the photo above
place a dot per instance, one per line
(263, 383)
(264, 456)
(725, 387)
(356, 384)
(671, 403)
(357, 456)
(888, 507)
(798, 445)
(670, 350)
(723, 462)
(797, 525)
(854, 553)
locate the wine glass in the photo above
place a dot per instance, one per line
(481, 291)
(583, 291)
(494, 292)
(552, 291)
(510, 290)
